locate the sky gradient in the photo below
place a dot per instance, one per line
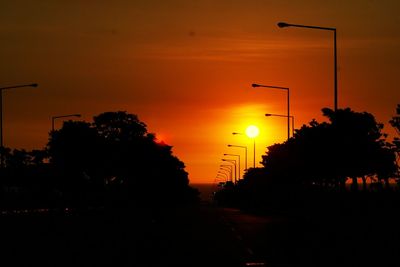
(186, 67)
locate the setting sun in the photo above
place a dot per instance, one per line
(252, 131)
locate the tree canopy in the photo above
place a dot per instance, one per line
(116, 151)
(350, 145)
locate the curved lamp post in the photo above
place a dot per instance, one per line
(1, 113)
(233, 161)
(228, 174)
(245, 154)
(278, 115)
(251, 132)
(227, 168)
(285, 25)
(62, 116)
(235, 155)
(288, 102)
(222, 175)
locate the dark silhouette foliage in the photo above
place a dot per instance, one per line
(313, 167)
(395, 122)
(116, 155)
(111, 162)
(326, 154)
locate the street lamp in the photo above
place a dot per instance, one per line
(284, 25)
(62, 116)
(278, 115)
(245, 153)
(233, 161)
(222, 175)
(254, 85)
(235, 155)
(251, 132)
(1, 112)
(227, 168)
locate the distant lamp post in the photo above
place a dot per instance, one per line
(278, 115)
(223, 175)
(252, 132)
(245, 153)
(235, 155)
(285, 25)
(1, 114)
(233, 161)
(288, 102)
(62, 116)
(227, 168)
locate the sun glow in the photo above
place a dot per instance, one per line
(252, 131)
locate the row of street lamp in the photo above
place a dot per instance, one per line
(1, 117)
(226, 169)
(251, 131)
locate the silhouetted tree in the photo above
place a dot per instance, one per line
(312, 167)
(19, 158)
(116, 153)
(119, 126)
(326, 154)
(360, 137)
(26, 181)
(38, 157)
(395, 122)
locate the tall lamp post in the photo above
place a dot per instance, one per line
(284, 25)
(62, 116)
(233, 161)
(1, 114)
(235, 155)
(245, 154)
(288, 102)
(278, 115)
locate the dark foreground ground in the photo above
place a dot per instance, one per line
(197, 236)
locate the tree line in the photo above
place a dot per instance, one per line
(111, 161)
(322, 161)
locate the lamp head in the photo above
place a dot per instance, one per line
(283, 24)
(268, 115)
(255, 85)
(34, 85)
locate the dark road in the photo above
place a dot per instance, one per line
(196, 236)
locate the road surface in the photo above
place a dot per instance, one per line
(193, 236)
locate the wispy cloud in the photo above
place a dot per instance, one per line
(233, 49)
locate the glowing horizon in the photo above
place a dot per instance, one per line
(189, 78)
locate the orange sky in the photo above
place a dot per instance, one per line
(185, 67)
